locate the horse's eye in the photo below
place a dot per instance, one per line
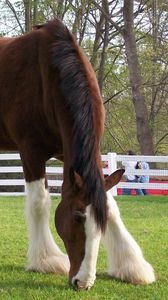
(79, 217)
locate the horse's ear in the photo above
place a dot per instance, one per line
(76, 179)
(113, 179)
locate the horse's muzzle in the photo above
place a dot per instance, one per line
(81, 285)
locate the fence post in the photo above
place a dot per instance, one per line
(112, 167)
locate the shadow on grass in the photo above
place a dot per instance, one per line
(106, 277)
(33, 280)
(20, 278)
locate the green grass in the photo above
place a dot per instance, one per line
(145, 217)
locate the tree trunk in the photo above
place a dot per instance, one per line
(28, 16)
(104, 48)
(96, 45)
(35, 10)
(154, 72)
(60, 9)
(144, 135)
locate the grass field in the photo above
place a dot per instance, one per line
(145, 217)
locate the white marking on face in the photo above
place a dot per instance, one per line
(87, 273)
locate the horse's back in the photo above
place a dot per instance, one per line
(4, 41)
(21, 86)
(32, 99)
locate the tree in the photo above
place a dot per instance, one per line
(128, 50)
(143, 130)
(144, 135)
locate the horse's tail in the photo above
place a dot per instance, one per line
(76, 89)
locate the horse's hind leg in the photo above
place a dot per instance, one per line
(125, 259)
(43, 254)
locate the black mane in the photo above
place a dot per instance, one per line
(75, 88)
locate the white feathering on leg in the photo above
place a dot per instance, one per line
(125, 258)
(43, 254)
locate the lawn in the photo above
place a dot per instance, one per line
(145, 217)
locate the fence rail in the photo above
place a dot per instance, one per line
(113, 161)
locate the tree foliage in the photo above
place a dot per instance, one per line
(100, 28)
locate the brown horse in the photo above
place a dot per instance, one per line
(50, 105)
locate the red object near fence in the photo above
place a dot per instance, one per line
(150, 192)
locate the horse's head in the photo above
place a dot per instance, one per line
(78, 229)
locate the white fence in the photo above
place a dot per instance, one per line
(113, 161)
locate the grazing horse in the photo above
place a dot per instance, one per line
(50, 106)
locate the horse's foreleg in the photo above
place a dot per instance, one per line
(43, 254)
(125, 259)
